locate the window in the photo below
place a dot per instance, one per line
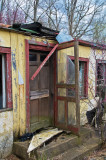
(2, 82)
(5, 78)
(83, 76)
(101, 78)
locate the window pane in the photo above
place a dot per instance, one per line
(32, 57)
(81, 78)
(70, 72)
(0, 81)
(61, 111)
(71, 77)
(71, 113)
(3, 81)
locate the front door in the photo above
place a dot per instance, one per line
(39, 91)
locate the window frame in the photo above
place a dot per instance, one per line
(101, 61)
(86, 71)
(7, 52)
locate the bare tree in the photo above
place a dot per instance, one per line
(2, 7)
(80, 15)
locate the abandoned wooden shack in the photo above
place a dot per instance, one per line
(55, 96)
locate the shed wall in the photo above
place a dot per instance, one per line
(6, 133)
(16, 42)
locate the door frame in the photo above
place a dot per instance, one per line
(37, 46)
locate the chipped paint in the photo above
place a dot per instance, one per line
(20, 79)
(13, 60)
(17, 43)
(6, 133)
(4, 38)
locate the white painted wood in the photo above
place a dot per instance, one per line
(41, 138)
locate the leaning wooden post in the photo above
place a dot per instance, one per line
(77, 98)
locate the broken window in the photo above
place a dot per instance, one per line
(2, 82)
(82, 76)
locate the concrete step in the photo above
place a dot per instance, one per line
(79, 152)
(64, 143)
(56, 146)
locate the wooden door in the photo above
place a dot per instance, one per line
(39, 91)
(67, 115)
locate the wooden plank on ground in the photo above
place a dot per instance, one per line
(41, 138)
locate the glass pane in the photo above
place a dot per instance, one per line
(61, 111)
(70, 72)
(71, 113)
(61, 73)
(81, 78)
(71, 92)
(3, 82)
(61, 92)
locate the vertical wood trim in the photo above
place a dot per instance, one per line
(27, 86)
(15, 86)
(8, 81)
(22, 85)
(55, 89)
(76, 54)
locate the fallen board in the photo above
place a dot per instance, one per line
(41, 138)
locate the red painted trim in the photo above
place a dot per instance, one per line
(74, 129)
(85, 43)
(40, 48)
(91, 44)
(32, 42)
(5, 50)
(8, 81)
(27, 86)
(43, 63)
(80, 58)
(64, 46)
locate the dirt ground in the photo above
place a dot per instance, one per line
(98, 154)
(11, 157)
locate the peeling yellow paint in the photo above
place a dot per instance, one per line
(4, 38)
(17, 43)
(15, 86)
